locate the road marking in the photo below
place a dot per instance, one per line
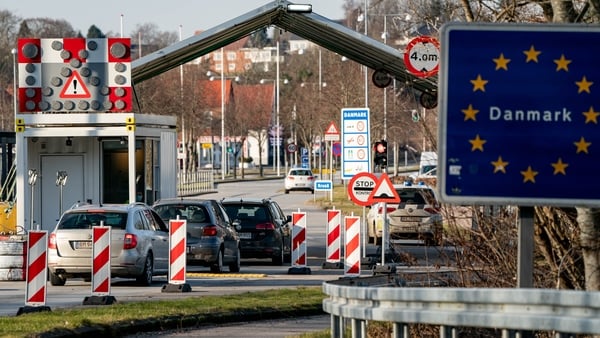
(227, 275)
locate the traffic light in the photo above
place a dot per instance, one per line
(381, 153)
(415, 115)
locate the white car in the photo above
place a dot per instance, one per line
(417, 216)
(299, 179)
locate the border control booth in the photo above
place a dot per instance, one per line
(77, 138)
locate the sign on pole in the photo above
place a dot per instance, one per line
(360, 188)
(519, 114)
(356, 140)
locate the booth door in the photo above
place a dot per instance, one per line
(72, 192)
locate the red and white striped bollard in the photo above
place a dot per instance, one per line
(177, 257)
(352, 248)
(101, 260)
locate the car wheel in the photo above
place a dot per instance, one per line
(235, 266)
(278, 260)
(145, 278)
(57, 280)
(287, 191)
(217, 267)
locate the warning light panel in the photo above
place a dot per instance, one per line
(74, 75)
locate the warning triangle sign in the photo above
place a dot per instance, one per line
(332, 129)
(384, 191)
(75, 88)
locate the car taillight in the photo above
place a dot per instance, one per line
(388, 210)
(130, 241)
(52, 241)
(310, 178)
(265, 226)
(290, 177)
(209, 231)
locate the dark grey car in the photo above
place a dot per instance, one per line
(211, 239)
(263, 228)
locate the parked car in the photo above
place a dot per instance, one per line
(417, 216)
(211, 239)
(139, 243)
(263, 228)
(299, 179)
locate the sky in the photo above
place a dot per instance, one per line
(169, 15)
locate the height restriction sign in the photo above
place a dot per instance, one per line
(422, 56)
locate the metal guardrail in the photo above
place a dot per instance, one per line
(511, 311)
(195, 182)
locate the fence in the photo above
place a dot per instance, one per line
(509, 311)
(195, 182)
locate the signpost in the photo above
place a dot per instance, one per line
(518, 120)
(356, 142)
(324, 185)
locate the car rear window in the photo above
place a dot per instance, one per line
(192, 213)
(301, 173)
(256, 213)
(412, 196)
(86, 220)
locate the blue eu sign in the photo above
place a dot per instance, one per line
(519, 114)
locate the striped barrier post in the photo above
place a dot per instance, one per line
(332, 260)
(101, 236)
(177, 257)
(299, 244)
(37, 272)
(101, 261)
(352, 247)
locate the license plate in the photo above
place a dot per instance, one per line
(245, 235)
(410, 218)
(82, 245)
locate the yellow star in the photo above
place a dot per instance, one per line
(562, 63)
(479, 83)
(532, 54)
(582, 146)
(591, 116)
(584, 85)
(559, 167)
(470, 113)
(499, 165)
(477, 143)
(501, 62)
(529, 175)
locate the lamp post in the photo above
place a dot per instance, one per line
(223, 77)
(277, 127)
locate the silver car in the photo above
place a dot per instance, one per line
(211, 239)
(139, 243)
(417, 216)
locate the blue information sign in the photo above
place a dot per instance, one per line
(519, 114)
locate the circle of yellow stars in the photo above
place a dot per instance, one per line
(501, 64)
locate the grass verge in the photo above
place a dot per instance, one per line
(126, 318)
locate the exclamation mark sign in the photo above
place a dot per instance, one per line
(74, 86)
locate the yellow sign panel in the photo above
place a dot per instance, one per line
(206, 145)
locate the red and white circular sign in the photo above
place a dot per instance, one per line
(422, 56)
(360, 187)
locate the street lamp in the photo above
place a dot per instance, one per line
(212, 78)
(277, 135)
